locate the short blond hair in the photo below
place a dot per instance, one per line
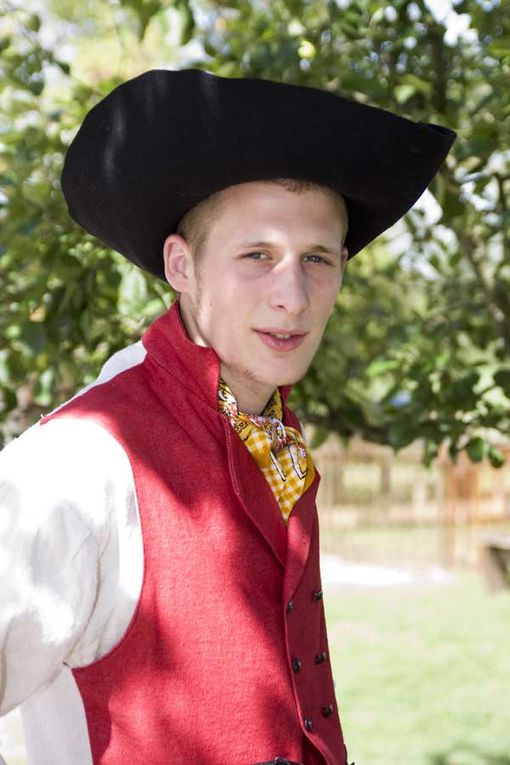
(195, 225)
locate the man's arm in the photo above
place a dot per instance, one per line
(71, 554)
(49, 552)
(71, 567)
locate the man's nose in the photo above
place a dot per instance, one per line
(289, 290)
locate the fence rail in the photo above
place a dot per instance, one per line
(366, 484)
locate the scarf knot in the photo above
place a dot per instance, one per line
(279, 450)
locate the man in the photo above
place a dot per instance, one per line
(163, 599)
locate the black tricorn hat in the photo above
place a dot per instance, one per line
(160, 143)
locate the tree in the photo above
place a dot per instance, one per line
(419, 340)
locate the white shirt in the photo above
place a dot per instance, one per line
(71, 567)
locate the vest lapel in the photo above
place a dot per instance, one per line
(299, 537)
(255, 494)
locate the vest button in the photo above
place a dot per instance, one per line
(320, 658)
(317, 595)
(308, 724)
(297, 665)
(327, 711)
(290, 606)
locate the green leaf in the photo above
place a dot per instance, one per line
(461, 392)
(8, 400)
(34, 23)
(453, 451)
(476, 449)
(187, 22)
(500, 47)
(43, 392)
(145, 10)
(453, 206)
(430, 452)
(404, 92)
(4, 43)
(419, 84)
(64, 66)
(502, 378)
(36, 86)
(401, 433)
(496, 457)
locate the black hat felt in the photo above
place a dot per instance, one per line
(160, 143)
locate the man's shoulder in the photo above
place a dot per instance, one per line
(56, 437)
(64, 447)
(99, 391)
(122, 361)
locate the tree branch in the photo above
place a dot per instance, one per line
(500, 318)
(440, 67)
(503, 203)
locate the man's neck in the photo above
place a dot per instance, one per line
(251, 395)
(251, 399)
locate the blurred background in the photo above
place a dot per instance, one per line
(407, 402)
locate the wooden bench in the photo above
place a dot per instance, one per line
(495, 560)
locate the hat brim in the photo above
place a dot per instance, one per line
(165, 140)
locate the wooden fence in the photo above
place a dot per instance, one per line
(368, 485)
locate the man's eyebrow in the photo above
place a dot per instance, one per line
(309, 248)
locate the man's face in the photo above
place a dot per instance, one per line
(272, 265)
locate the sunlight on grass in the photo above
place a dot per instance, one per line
(423, 673)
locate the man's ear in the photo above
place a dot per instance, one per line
(345, 255)
(178, 261)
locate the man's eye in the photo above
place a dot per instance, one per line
(318, 259)
(255, 255)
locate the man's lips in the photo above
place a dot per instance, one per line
(279, 331)
(291, 338)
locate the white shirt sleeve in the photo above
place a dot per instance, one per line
(71, 556)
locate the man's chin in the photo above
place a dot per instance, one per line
(267, 375)
(291, 378)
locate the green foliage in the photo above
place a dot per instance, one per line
(418, 343)
(63, 295)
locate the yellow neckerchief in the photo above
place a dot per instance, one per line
(278, 450)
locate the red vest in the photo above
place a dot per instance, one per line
(226, 659)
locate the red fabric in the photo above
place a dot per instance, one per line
(204, 673)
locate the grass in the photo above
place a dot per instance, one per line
(423, 673)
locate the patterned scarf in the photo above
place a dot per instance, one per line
(279, 451)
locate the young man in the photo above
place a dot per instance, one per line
(163, 600)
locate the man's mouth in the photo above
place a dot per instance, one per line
(284, 333)
(281, 341)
